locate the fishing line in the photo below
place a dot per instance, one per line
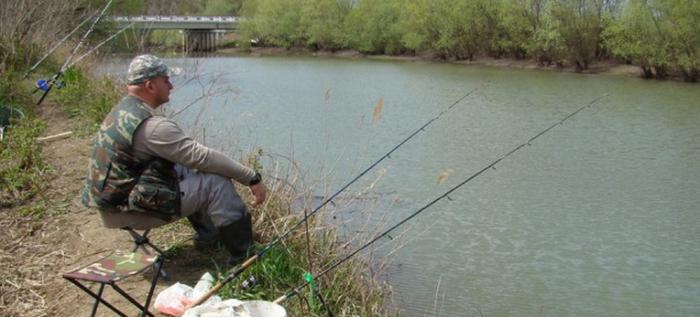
(57, 45)
(242, 267)
(43, 84)
(99, 45)
(446, 194)
(63, 68)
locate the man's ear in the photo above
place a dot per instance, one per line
(148, 85)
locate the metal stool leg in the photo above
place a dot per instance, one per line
(141, 241)
(97, 301)
(156, 271)
(128, 297)
(96, 297)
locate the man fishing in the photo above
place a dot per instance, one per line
(145, 172)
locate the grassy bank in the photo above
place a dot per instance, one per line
(21, 163)
(81, 104)
(23, 170)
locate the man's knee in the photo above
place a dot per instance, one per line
(217, 181)
(225, 205)
(220, 188)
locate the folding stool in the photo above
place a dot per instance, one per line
(119, 265)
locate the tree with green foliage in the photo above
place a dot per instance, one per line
(683, 25)
(465, 28)
(416, 24)
(221, 7)
(660, 36)
(322, 22)
(580, 24)
(516, 28)
(273, 22)
(370, 27)
(637, 37)
(128, 7)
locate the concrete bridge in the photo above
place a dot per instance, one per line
(200, 33)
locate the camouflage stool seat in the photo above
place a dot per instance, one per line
(113, 268)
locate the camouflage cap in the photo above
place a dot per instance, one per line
(144, 67)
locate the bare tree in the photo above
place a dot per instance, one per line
(29, 27)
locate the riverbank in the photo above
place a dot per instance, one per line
(609, 67)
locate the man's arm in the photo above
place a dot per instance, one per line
(159, 136)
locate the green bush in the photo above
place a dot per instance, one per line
(86, 99)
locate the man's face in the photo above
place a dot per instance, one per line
(160, 87)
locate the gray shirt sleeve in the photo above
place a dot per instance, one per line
(162, 137)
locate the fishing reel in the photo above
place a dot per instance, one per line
(44, 85)
(249, 282)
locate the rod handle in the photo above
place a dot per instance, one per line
(221, 284)
(44, 95)
(206, 296)
(249, 262)
(280, 299)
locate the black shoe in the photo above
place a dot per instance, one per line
(204, 242)
(206, 235)
(237, 237)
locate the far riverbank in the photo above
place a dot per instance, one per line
(609, 67)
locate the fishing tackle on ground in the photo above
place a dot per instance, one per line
(242, 267)
(249, 282)
(337, 263)
(42, 84)
(7, 116)
(73, 52)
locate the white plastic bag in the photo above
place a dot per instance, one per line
(261, 308)
(174, 299)
(203, 285)
(227, 308)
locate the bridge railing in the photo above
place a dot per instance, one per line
(159, 18)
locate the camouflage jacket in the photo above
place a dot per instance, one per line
(118, 180)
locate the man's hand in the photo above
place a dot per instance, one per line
(259, 192)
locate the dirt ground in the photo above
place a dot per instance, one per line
(36, 252)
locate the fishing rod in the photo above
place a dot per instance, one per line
(99, 45)
(43, 84)
(57, 45)
(242, 267)
(63, 68)
(308, 281)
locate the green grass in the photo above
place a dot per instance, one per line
(23, 170)
(276, 272)
(348, 290)
(283, 268)
(86, 99)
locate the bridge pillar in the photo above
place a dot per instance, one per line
(199, 41)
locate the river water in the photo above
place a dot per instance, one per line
(598, 217)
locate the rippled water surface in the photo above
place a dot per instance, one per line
(598, 217)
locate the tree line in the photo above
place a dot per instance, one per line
(660, 36)
(175, 7)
